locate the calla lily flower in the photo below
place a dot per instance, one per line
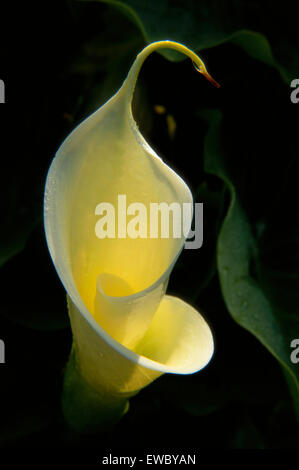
(126, 330)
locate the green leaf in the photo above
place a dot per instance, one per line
(246, 435)
(257, 46)
(202, 25)
(246, 298)
(18, 224)
(35, 307)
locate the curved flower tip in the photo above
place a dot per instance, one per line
(126, 331)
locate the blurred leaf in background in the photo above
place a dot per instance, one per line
(207, 24)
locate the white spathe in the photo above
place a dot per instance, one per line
(126, 331)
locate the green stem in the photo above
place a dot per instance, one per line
(85, 409)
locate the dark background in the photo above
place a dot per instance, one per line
(62, 60)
